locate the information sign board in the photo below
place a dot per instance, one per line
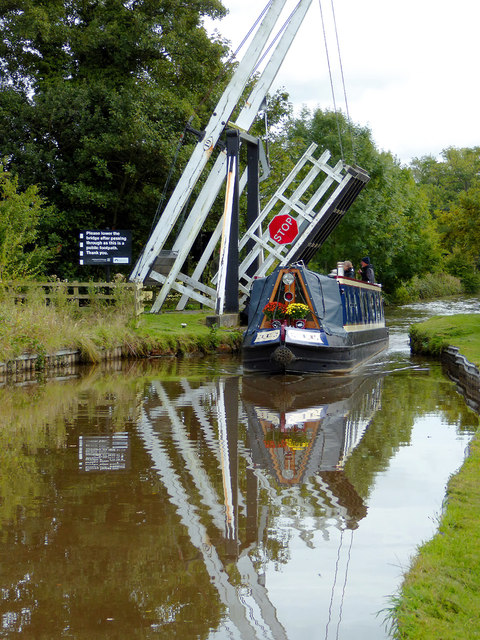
(105, 247)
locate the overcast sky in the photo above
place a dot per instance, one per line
(410, 67)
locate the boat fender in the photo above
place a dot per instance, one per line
(283, 355)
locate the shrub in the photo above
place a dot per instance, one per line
(463, 266)
(20, 215)
(428, 286)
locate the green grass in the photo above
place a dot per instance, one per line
(437, 333)
(184, 332)
(35, 328)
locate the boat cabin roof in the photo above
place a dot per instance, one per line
(323, 291)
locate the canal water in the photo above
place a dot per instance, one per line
(183, 499)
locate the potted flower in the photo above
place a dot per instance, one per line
(297, 312)
(275, 311)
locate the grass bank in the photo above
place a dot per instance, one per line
(440, 595)
(174, 333)
(33, 328)
(437, 333)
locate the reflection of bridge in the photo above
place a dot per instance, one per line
(215, 479)
(243, 607)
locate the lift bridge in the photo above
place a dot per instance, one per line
(293, 225)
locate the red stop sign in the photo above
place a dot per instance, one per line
(283, 228)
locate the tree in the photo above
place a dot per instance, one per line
(462, 224)
(443, 180)
(20, 216)
(453, 188)
(461, 238)
(93, 99)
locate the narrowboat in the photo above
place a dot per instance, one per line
(300, 321)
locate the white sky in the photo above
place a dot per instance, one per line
(410, 67)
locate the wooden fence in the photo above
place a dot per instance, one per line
(79, 293)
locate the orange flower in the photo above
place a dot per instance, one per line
(275, 310)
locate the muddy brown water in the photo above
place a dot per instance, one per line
(182, 499)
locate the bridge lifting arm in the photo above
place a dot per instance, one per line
(201, 154)
(204, 148)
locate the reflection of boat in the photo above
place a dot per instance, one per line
(301, 430)
(342, 325)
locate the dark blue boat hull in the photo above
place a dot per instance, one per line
(339, 356)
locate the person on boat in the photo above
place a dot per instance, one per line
(348, 270)
(366, 270)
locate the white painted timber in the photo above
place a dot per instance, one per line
(209, 192)
(204, 148)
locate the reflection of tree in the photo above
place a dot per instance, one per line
(37, 418)
(275, 544)
(31, 419)
(92, 570)
(97, 554)
(404, 399)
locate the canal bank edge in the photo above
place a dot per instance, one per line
(440, 594)
(455, 340)
(26, 366)
(465, 374)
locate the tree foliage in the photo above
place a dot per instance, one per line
(452, 185)
(93, 99)
(443, 180)
(21, 213)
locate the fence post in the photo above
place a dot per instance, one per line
(76, 294)
(138, 293)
